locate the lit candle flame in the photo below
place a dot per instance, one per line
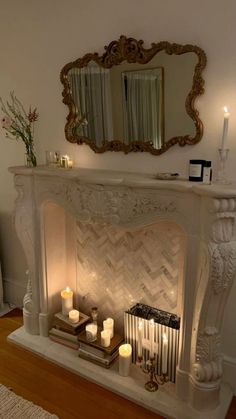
(67, 289)
(226, 109)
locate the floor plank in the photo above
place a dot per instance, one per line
(55, 389)
(59, 391)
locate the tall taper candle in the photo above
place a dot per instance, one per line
(151, 337)
(140, 339)
(225, 127)
(164, 353)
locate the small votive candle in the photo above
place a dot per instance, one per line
(70, 164)
(125, 355)
(74, 316)
(91, 332)
(105, 338)
(66, 301)
(108, 324)
(64, 161)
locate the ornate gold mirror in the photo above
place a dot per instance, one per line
(134, 99)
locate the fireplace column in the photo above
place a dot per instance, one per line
(27, 225)
(215, 278)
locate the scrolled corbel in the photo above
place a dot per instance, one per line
(30, 318)
(207, 372)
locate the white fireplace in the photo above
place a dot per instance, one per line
(116, 239)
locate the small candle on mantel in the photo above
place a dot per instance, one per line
(151, 337)
(66, 301)
(64, 161)
(164, 353)
(225, 127)
(70, 163)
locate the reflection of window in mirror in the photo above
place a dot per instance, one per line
(91, 92)
(142, 100)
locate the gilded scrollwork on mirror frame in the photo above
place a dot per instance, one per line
(132, 51)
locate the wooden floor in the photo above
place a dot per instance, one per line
(58, 390)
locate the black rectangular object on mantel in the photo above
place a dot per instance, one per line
(146, 312)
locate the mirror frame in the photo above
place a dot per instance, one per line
(132, 51)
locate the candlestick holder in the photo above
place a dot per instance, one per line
(151, 384)
(154, 380)
(221, 176)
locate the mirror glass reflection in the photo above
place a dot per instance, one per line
(133, 102)
(142, 104)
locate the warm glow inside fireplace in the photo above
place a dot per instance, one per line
(111, 267)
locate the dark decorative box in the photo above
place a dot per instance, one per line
(165, 322)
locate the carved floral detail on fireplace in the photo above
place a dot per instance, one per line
(223, 266)
(103, 204)
(209, 365)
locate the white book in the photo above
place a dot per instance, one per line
(93, 357)
(92, 350)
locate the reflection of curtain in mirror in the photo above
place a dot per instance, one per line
(92, 96)
(142, 106)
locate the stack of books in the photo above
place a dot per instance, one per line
(96, 353)
(65, 332)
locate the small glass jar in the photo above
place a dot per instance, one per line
(94, 314)
(52, 158)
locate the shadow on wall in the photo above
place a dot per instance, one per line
(13, 261)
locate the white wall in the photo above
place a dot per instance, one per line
(38, 37)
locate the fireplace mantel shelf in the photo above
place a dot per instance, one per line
(134, 180)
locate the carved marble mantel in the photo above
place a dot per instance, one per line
(205, 213)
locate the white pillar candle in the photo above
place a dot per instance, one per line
(125, 358)
(151, 337)
(74, 316)
(140, 339)
(105, 338)
(164, 353)
(108, 324)
(91, 332)
(66, 301)
(225, 127)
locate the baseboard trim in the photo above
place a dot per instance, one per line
(229, 372)
(13, 292)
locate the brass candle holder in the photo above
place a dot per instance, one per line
(154, 380)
